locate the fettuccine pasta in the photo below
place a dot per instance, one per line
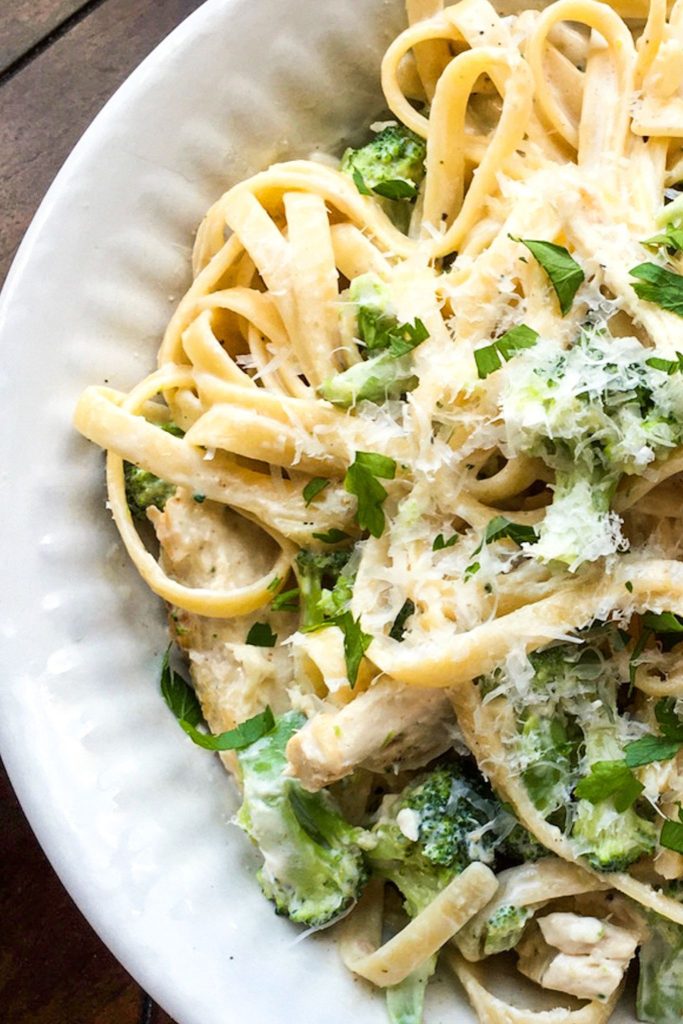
(409, 478)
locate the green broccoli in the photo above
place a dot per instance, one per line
(547, 749)
(594, 412)
(386, 371)
(610, 837)
(144, 489)
(569, 730)
(504, 928)
(457, 820)
(375, 380)
(660, 981)
(391, 164)
(313, 867)
(315, 568)
(611, 840)
(405, 1001)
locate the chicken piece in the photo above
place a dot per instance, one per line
(582, 956)
(208, 545)
(388, 724)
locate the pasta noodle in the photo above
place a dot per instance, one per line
(413, 454)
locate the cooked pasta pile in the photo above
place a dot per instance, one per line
(413, 455)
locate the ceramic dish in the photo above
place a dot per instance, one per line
(134, 818)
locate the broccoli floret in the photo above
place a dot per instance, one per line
(520, 847)
(391, 164)
(593, 412)
(315, 568)
(386, 370)
(313, 864)
(579, 525)
(504, 928)
(457, 820)
(610, 839)
(569, 723)
(374, 380)
(144, 489)
(660, 981)
(547, 750)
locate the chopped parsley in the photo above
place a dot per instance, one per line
(610, 779)
(440, 542)
(182, 701)
(564, 273)
(362, 480)
(314, 487)
(261, 635)
(662, 287)
(398, 629)
(333, 536)
(488, 358)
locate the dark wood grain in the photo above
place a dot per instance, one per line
(53, 968)
(23, 23)
(47, 105)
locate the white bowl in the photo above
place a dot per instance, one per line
(134, 818)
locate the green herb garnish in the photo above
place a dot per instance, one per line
(565, 274)
(361, 480)
(261, 635)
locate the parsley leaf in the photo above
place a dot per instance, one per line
(314, 487)
(359, 182)
(658, 285)
(306, 809)
(440, 541)
(671, 237)
(179, 695)
(648, 749)
(610, 779)
(405, 337)
(287, 601)
(397, 188)
(671, 836)
(666, 622)
(361, 480)
(356, 643)
(498, 528)
(508, 345)
(669, 366)
(333, 536)
(182, 701)
(261, 635)
(658, 748)
(566, 276)
(382, 331)
(398, 629)
(669, 722)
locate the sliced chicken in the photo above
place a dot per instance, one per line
(388, 724)
(582, 956)
(208, 545)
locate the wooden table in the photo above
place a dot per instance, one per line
(60, 60)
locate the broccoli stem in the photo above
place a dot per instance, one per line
(313, 867)
(377, 379)
(660, 982)
(405, 1001)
